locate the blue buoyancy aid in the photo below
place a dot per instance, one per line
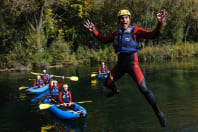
(38, 82)
(124, 42)
(103, 70)
(54, 91)
(65, 96)
(46, 75)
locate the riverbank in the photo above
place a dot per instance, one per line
(84, 55)
(168, 51)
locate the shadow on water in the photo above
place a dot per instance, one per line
(174, 83)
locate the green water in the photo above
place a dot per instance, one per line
(174, 83)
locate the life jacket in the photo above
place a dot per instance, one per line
(65, 96)
(45, 76)
(38, 82)
(54, 91)
(45, 79)
(103, 70)
(124, 42)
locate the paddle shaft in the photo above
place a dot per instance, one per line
(61, 76)
(101, 73)
(46, 106)
(58, 76)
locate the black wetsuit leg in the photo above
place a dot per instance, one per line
(128, 63)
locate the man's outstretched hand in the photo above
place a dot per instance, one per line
(161, 16)
(89, 25)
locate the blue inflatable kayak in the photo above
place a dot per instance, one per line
(103, 76)
(66, 114)
(32, 90)
(40, 96)
(100, 76)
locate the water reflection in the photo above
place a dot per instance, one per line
(57, 125)
(174, 84)
(46, 128)
(97, 83)
(22, 96)
(93, 83)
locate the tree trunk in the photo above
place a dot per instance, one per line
(38, 30)
(186, 34)
(38, 41)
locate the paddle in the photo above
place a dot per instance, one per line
(22, 87)
(34, 73)
(46, 106)
(73, 78)
(93, 74)
(31, 79)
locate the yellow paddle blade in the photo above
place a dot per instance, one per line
(44, 106)
(31, 79)
(34, 73)
(93, 75)
(88, 101)
(22, 87)
(73, 78)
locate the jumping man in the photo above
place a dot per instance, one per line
(125, 41)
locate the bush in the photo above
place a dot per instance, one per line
(61, 52)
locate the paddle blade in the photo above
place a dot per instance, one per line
(88, 101)
(30, 79)
(44, 106)
(73, 78)
(34, 73)
(93, 75)
(94, 72)
(22, 87)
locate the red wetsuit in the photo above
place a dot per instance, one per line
(138, 33)
(54, 91)
(58, 86)
(100, 70)
(128, 63)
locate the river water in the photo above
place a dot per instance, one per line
(174, 83)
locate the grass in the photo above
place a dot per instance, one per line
(168, 51)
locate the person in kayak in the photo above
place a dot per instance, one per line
(125, 41)
(45, 77)
(54, 89)
(103, 71)
(65, 97)
(66, 100)
(38, 83)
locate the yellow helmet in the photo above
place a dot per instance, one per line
(55, 81)
(123, 12)
(38, 77)
(65, 86)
